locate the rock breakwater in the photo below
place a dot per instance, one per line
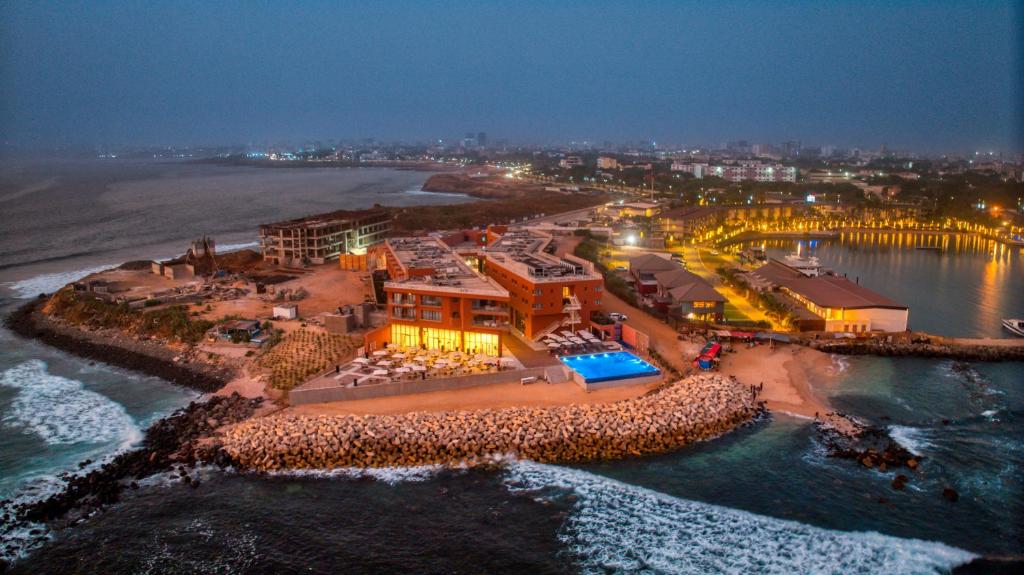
(961, 352)
(693, 409)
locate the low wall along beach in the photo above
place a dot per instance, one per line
(693, 409)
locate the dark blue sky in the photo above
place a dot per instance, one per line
(930, 75)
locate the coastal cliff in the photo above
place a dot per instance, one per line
(696, 408)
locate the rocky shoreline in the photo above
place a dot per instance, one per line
(922, 349)
(696, 408)
(179, 442)
(30, 322)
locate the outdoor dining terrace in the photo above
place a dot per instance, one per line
(400, 364)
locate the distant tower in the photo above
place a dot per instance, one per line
(481, 139)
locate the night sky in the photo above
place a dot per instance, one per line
(930, 76)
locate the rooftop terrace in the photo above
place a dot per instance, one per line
(450, 272)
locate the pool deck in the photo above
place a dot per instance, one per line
(592, 383)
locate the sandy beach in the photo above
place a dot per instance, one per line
(786, 372)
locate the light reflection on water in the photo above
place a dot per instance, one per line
(966, 288)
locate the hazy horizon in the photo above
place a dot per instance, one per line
(929, 77)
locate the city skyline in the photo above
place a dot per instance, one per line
(939, 77)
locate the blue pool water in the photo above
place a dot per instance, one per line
(597, 367)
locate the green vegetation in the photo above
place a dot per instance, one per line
(173, 323)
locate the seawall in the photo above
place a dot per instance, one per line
(696, 408)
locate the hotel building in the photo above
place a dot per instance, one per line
(458, 294)
(321, 238)
(435, 300)
(545, 291)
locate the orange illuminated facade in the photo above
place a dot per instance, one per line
(454, 293)
(545, 292)
(435, 300)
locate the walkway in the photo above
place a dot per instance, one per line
(741, 303)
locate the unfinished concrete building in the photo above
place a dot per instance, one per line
(322, 238)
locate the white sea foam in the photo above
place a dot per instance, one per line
(619, 528)
(49, 283)
(912, 438)
(439, 194)
(839, 364)
(389, 475)
(235, 247)
(61, 411)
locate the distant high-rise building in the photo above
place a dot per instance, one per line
(481, 139)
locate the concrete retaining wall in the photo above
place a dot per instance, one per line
(321, 395)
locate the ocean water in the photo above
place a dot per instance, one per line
(764, 498)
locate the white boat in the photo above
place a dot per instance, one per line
(1015, 325)
(807, 265)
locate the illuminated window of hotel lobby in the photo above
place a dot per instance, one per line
(405, 335)
(486, 343)
(447, 339)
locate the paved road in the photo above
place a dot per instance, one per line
(693, 254)
(662, 336)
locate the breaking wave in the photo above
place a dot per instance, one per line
(619, 528)
(911, 438)
(49, 283)
(389, 475)
(61, 411)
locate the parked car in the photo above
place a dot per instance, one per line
(621, 269)
(677, 256)
(618, 316)
(714, 252)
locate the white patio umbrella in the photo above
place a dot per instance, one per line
(402, 370)
(419, 368)
(380, 372)
(553, 345)
(362, 360)
(420, 358)
(441, 362)
(380, 353)
(384, 363)
(506, 361)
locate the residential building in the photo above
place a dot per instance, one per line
(570, 162)
(755, 171)
(643, 268)
(321, 238)
(841, 305)
(680, 224)
(631, 209)
(686, 295)
(607, 163)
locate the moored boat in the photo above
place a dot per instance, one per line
(1015, 325)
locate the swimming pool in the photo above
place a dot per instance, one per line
(616, 365)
